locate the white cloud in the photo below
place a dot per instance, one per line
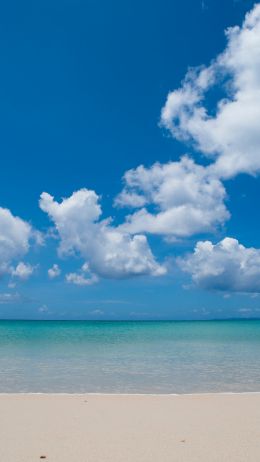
(231, 135)
(54, 271)
(82, 278)
(15, 236)
(110, 252)
(22, 270)
(187, 199)
(226, 266)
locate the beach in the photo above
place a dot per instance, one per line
(136, 428)
(130, 391)
(129, 231)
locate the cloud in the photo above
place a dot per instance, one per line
(97, 312)
(83, 278)
(7, 298)
(186, 198)
(80, 279)
(15, 237)
(225, 266)
(231, 135)
(54, 271)
(22, 271)
(109, 252)
(43, 309)
(246, 310)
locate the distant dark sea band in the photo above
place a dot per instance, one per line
(129, 357)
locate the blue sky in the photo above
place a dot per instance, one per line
(92, 90)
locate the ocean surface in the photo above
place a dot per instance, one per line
(129, 357)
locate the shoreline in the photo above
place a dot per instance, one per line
(50, 393)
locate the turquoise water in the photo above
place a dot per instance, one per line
(138, 357)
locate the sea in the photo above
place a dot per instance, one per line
(130, 357)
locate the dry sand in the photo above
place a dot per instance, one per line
(136, 428)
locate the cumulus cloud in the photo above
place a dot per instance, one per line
(109, 252)
(15, 237)
(225, 266)
(186, 199)
(54, 271)
(231, 134)
(22, 271)
(82, 278)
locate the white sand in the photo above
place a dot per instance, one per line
(136, 428)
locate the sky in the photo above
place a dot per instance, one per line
(130, 159)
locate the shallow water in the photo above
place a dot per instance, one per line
(137, 357)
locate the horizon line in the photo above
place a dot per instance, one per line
(131, 320)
